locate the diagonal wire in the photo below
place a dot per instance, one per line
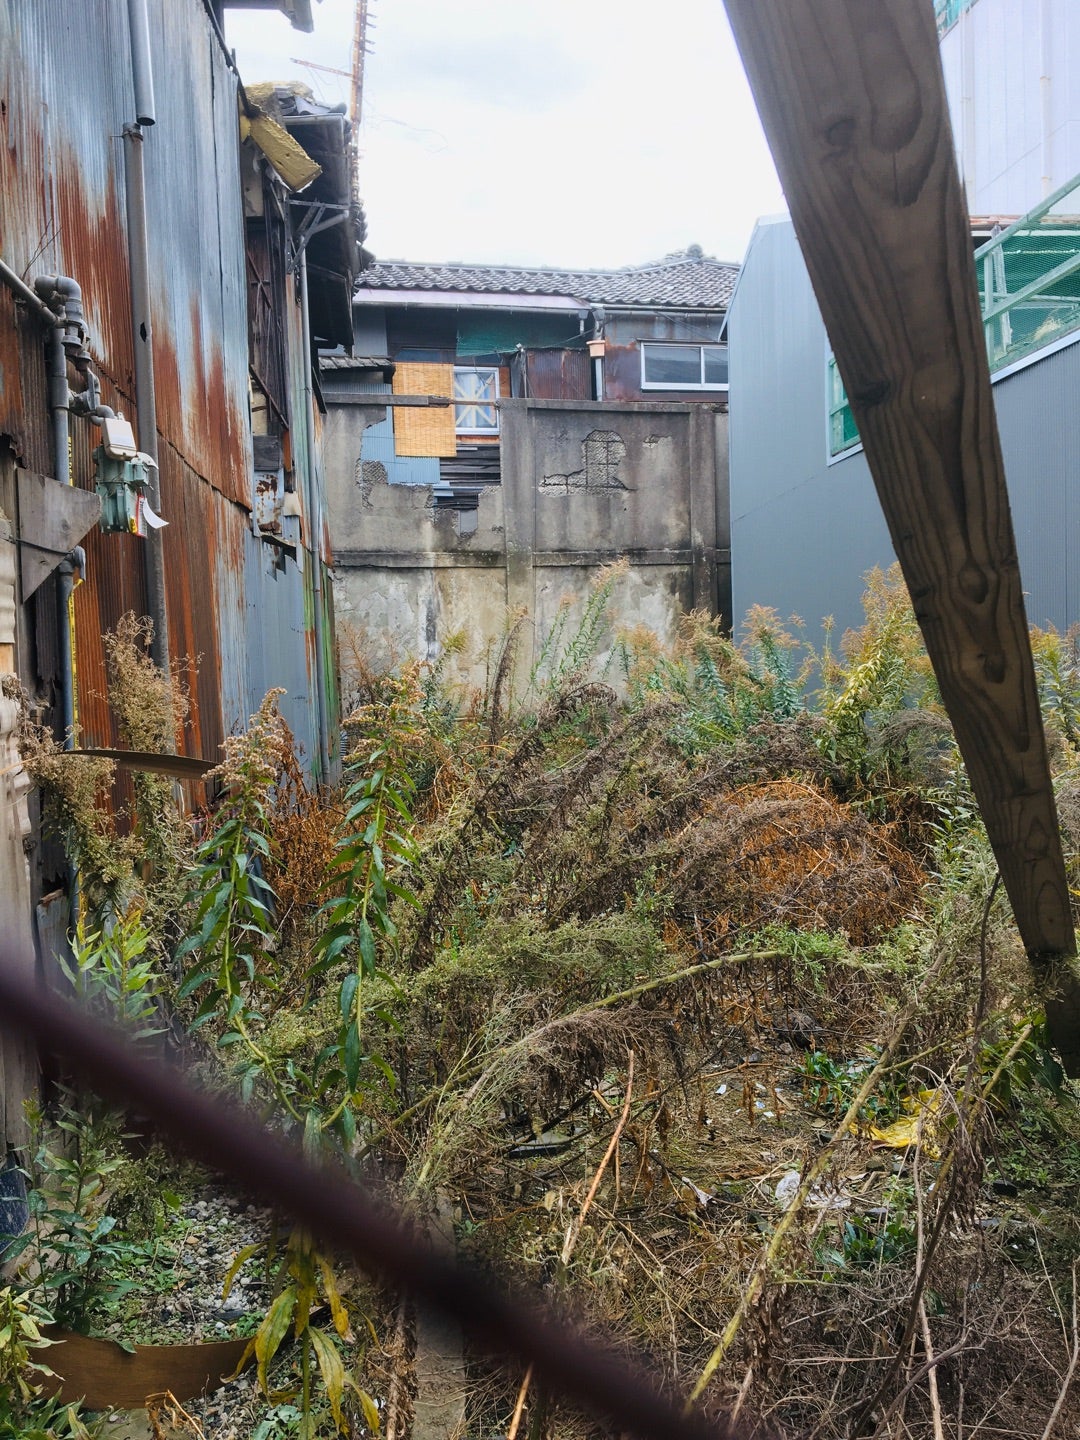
(344, 1216)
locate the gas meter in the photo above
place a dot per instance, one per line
(122, 477)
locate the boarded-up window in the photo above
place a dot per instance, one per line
(424, 429)
(557, 375)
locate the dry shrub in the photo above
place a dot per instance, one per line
(786, 852)
(149, 710)
(303, 834)
(77, 790)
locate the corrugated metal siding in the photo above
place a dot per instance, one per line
(804, 532)
(378, 444)
(234, 612)
(558, 374)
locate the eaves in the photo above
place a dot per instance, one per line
(469, 300)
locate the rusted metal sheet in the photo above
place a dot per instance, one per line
(558, 375)
(240, 610)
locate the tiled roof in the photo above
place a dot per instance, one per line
(688, 278)
(355, 362)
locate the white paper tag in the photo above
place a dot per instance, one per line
(149, 517)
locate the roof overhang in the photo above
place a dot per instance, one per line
(464, 299)
(333, 257)
(298, 11)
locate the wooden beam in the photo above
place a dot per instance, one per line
(852, 99)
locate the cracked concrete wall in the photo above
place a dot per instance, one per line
(583, 484)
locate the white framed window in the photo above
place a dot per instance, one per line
(683, 367)
(476, 388)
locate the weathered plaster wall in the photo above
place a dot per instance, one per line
(17, 1063)
(582, 485)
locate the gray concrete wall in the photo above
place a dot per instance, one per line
(583, 485)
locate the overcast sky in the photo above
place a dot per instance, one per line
(539, 132)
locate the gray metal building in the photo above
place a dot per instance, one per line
(805, 523)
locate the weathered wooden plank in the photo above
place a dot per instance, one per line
(852, 99)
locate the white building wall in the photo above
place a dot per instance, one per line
(1012, 73)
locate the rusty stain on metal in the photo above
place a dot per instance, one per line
(61, 169)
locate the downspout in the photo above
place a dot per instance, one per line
(62, 298)
(141, 326)
(314, 512)
(597, 348)
(59, 400)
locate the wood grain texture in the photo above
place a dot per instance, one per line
(853, 102)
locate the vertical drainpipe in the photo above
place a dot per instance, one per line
(142, 332)
(314, 518)
(596, 350)
(59, 399)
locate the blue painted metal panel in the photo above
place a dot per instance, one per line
(378, 444)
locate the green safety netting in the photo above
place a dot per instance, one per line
(1029, 289)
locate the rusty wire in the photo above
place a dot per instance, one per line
(348, 1218)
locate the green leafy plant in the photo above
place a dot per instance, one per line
(830, 1086)
(74, 1242)
(372, 852)
(305, 1276)
(26, 1414)
(113, 973)
(21, 1344)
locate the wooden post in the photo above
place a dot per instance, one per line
(852, 99)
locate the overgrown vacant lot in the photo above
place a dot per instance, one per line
(679, 988)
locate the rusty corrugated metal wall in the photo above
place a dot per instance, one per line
(558, 375)
(236, 604)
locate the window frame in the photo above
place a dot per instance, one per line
(492, 370)
(700, 347)
(837, 403)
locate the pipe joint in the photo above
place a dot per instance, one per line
(63, 295)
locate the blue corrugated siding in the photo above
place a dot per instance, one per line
(378, 444)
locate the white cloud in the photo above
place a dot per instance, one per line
(577, 132)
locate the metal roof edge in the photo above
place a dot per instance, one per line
(763, 222)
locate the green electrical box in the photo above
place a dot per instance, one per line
(122, 477)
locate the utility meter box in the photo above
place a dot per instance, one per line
(117, 438)
(122, 483)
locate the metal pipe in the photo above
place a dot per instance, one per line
(23, 292)
(56, 362)
(145, 396)
(142, 70)
(314, 510)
